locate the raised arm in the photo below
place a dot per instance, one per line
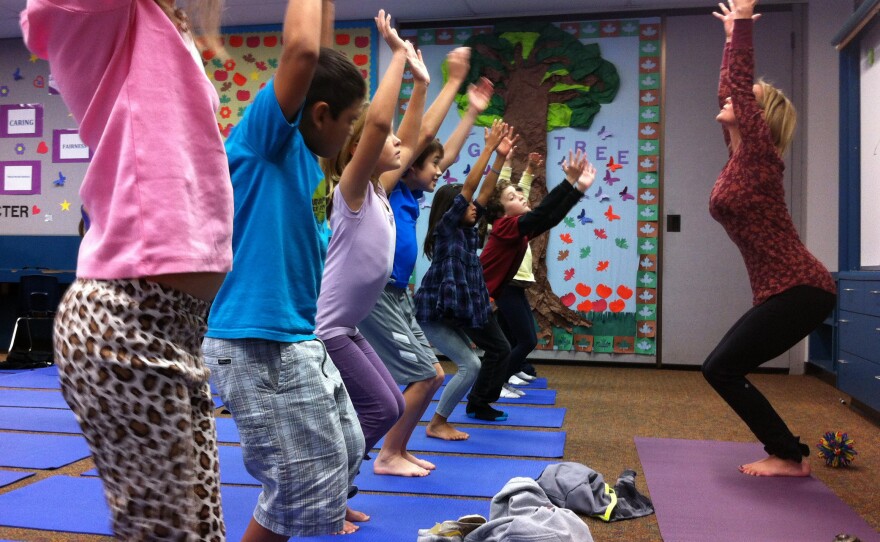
(493, 138)
(408, 133)
(507, 145)
(536, 160)
(301, 46)
(377, 126)
(457, 66)
(753, 128)
(727, 15)
(579, 174)
(328, 21)
(478, 100)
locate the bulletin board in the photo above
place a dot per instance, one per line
(602, 261)
(43, 162)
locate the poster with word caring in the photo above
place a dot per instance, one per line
(42, 159)
(593, 86)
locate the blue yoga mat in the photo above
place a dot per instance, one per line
(455, 475)
(517, 416)
(538, 383)
(10, 477)
(32, 398)
(44, 378)
(75, 504)
(44, 420)
(31, 451)
(484, 441)
(533, 396)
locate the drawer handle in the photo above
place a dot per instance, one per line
(877, 377)
(842, 321)
(849, 289)
(842, 361)
(875, 291)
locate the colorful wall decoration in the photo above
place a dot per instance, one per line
(601, 262)
(254, 53)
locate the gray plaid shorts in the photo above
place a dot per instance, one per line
(300, 436)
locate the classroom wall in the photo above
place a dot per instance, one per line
(825, 18)
(817, 201)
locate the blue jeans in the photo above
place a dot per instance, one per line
(456, 346)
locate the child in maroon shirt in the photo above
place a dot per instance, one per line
(793, 292)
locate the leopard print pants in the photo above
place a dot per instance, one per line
(130, 363)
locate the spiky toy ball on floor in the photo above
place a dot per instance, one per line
(836, 448)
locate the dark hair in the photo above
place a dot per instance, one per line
(337, 81)
(494, 207)
(434, 146)
(441, 203)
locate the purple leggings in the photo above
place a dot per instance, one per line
(374, 394)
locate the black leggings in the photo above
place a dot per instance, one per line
(764, 332)
(518, 325)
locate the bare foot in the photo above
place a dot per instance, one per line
(348, 528)
(354, 515)
(775, 466)
(443, 430)
(397, 466)
(420, 462)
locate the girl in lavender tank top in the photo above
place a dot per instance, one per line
(361, 251)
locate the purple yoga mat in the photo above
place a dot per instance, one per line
(699, 495)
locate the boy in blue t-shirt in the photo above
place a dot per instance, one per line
(300, 435)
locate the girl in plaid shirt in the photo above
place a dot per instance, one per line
(452, 304)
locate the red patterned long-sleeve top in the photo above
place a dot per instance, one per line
(748, 198)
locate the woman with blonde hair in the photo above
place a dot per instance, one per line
(129, 329)
(792, 291)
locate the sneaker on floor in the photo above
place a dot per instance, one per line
(509, 388)
(507, 394)
(452, 531)
(523, 376)
(517, 381)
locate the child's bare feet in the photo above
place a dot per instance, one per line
(348, 528)
(775, 466)
(397, 465)
(354, 515)
(440, 428)
(420, 462)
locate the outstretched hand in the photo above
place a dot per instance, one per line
(458, 62)
(388, 32)
(735, 9)
(536, 160)
(578, 169)
(493, 136)
(417, 64)
(480, 95)
(508, 143)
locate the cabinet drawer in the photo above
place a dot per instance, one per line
(859, 334)
(862, 296)
(860, 378)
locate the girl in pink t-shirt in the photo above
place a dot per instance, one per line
(128, 331)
